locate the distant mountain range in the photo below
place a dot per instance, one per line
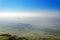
(29, 28)
(22, 26)
(50, 25)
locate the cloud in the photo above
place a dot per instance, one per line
(28, 14)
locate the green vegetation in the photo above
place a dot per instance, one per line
(29, 36)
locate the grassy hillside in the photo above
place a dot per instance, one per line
(29, 36)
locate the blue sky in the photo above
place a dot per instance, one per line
(40, 5)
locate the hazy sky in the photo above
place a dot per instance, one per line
(30, 8)
(38, 8)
